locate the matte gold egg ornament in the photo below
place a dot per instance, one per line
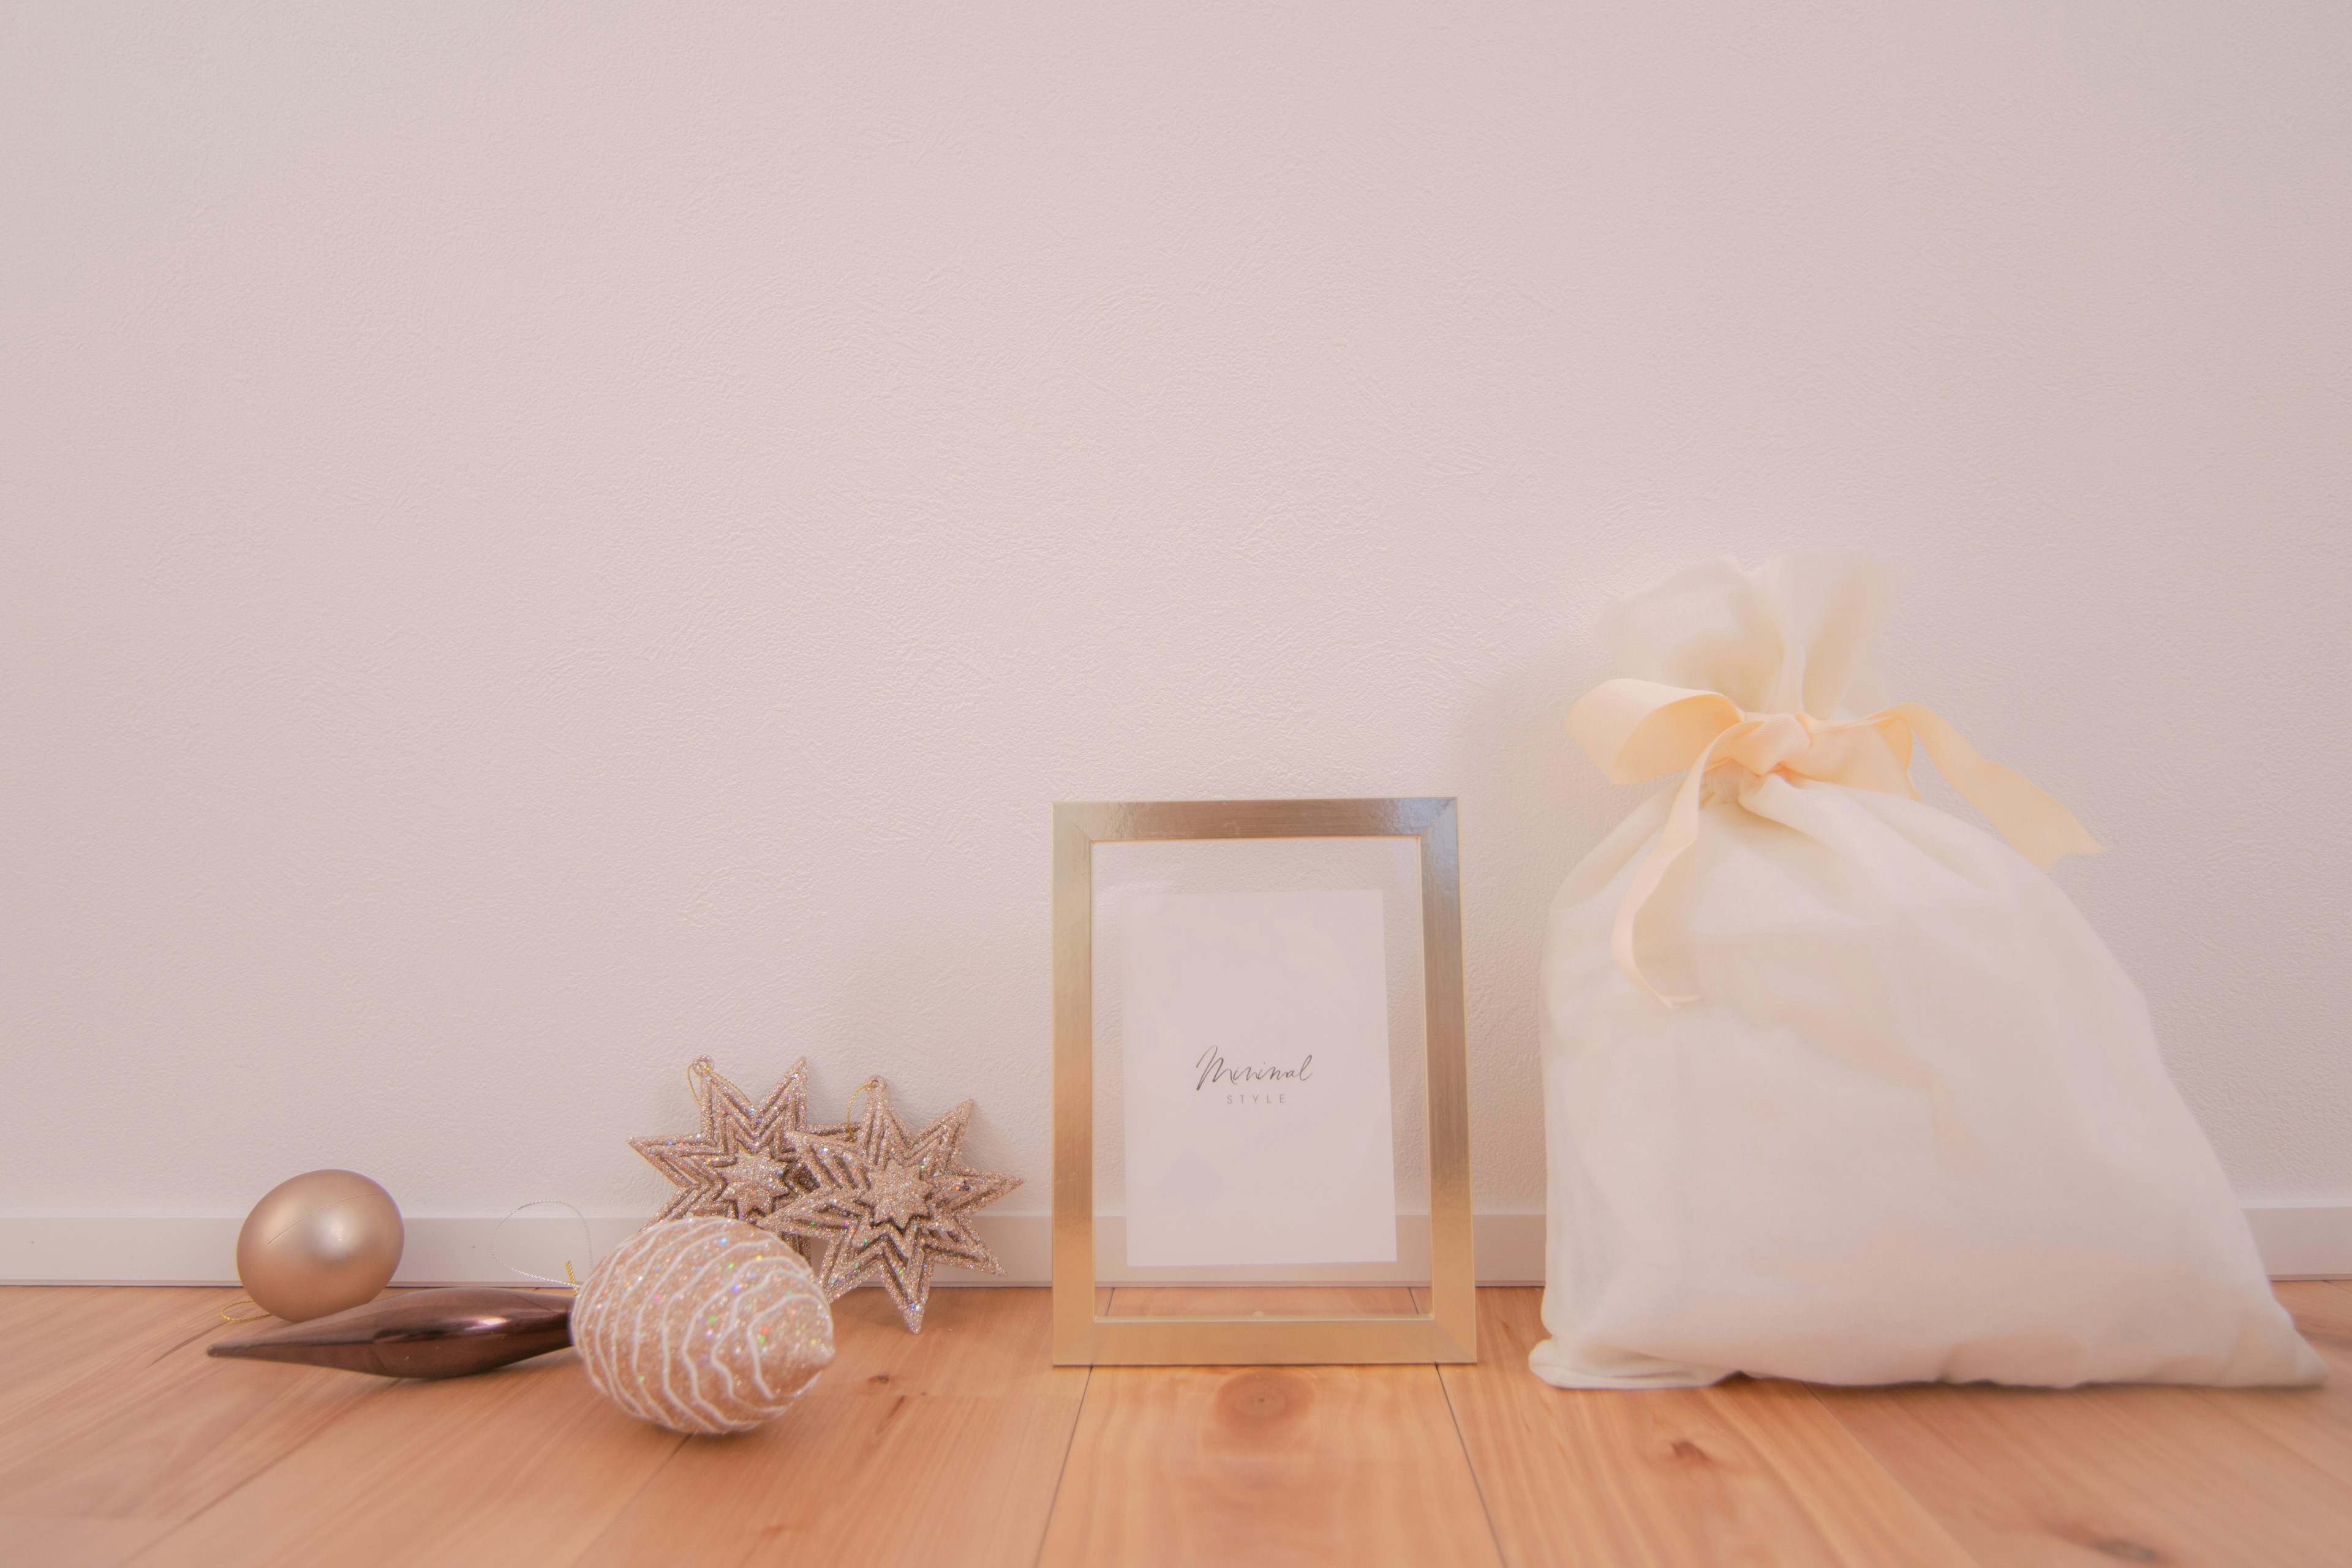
(702, 1325)
(318, 1243)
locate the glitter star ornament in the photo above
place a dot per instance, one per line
(888, 1206)
(742, 1163)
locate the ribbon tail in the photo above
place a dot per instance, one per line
(1679, 834)
(1640, 730)
(2036, 824)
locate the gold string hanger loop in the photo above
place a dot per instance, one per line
(849, 1115)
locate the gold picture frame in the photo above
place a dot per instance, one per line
(1083, 1336)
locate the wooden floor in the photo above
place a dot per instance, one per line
(121, 1442)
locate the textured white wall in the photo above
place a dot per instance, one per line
(540, 541)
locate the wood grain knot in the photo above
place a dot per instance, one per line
(1689, 1452)
(2122, 1548)
(1264, 1403)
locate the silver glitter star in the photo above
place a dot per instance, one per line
(742, 1163)
(889, 1206)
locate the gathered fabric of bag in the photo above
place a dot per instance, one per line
(1838, 1086)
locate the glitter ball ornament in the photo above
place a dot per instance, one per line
(702, 1325)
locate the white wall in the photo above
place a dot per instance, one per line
(540, 541)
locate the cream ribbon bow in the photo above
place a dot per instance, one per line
(1640, 730)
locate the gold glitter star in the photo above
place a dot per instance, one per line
(889, 1206)
(742, 1163)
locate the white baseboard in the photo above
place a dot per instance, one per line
(2298, 1241)
(2304, 1240)
(116, 1249)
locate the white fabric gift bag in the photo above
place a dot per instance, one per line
(1838, 1086)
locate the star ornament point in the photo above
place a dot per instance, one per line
(889, 1205)
(741, 1163)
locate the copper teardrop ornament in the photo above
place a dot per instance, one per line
(419, 1333)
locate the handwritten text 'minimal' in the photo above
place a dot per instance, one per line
(1215, 1070)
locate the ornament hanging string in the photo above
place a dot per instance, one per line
(587, 1238)
(227, 1313)
(849, 1114)
(698, 1074)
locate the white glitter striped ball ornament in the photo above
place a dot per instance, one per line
(702, 1325)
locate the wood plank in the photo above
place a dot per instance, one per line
(940, 1446)
(2316, 1423)
(1265, 1465)
(118, 1431)
(134, 1429)
(1744, 1472)
(53, 1336)
(37, 1315)
(2322, 1311)
(2128, 1473)
(68, 1542)
(1278, 1301)
(522, 1465)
